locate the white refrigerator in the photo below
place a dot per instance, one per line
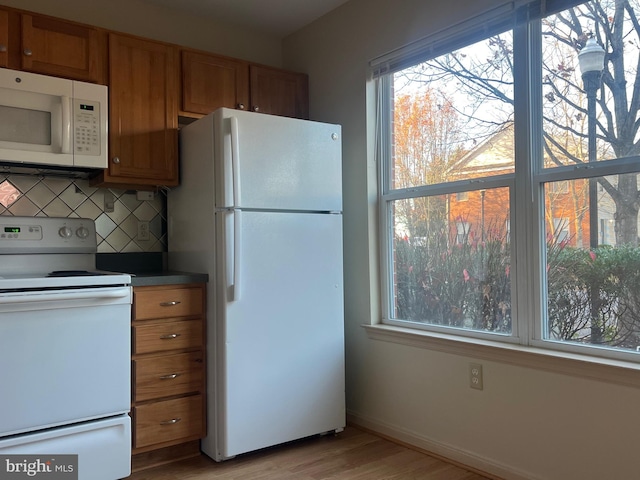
(259, 208)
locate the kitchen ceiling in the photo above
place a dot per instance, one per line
(275, 17)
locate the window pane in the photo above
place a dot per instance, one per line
(453, 116)
(593, 263)
(593, 258)
(451, 261)
(566, 109)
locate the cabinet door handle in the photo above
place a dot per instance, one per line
(28, 52)
(116, 160)
(3, 48)
(170, 422)
(170, 377)
(256, 108)
(241, 106)
(170, 304)
(170, 336)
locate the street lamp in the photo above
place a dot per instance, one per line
(482, 193)
(591, 60)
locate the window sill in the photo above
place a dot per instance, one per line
(603, 370)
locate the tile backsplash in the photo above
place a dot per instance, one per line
(38, 196)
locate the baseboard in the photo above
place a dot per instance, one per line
(481, 465)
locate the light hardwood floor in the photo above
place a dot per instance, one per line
(350, 455)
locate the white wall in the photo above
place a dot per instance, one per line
(527, 422)
(160, 23)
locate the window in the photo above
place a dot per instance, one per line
(496, 152)
(560, 232)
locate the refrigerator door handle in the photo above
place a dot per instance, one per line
(237, 255)
(235, 161)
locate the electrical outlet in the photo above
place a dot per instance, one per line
(108, 202)
(143, 230)
(144, 196)
(475, 376)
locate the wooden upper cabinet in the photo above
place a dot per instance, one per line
(210, 82)
(64, 49)
(143, 113)
(4, 38)
(279, 92)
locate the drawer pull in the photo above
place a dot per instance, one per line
(169, 336)
(170, 304)
(170, 422)
(170, 377)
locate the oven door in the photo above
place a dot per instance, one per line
(65, 356)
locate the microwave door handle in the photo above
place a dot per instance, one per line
(66, 125)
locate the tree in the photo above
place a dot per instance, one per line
(441, 275)
(613, 23)
(427, 142)
(484, 76)
(428, 138)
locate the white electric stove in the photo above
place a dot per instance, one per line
(65, 346)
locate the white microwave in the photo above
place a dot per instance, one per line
(52, 121)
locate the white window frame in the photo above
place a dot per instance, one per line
(527, 211)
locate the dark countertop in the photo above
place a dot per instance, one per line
(167, 278)
(146, 269)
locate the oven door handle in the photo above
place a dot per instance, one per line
(63, 296)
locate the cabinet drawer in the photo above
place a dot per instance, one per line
(160, 337)
(169, 420)
(167, 303)
(168, 375)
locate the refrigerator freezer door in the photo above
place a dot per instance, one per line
(277, 162)
(281, 345)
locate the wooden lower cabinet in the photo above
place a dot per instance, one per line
(168, 366)
(176, 420)
(168, 375)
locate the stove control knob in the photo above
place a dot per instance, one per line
(65, 232)
(82, 232)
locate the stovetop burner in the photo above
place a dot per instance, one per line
(74, 273)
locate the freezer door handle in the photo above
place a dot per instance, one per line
(235, 161)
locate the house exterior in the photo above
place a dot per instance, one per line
(567, 212)
(539, 416)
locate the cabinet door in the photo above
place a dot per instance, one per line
(56, 47)
(169, 422)
(167, 375)
(143, 100)
(210, 82)
(4, 38)
(279, 92)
